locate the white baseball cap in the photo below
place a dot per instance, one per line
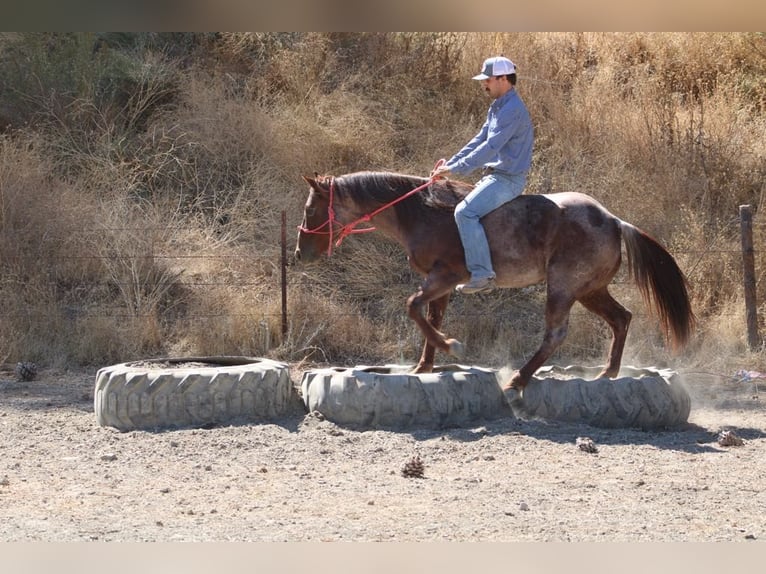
(496, 66)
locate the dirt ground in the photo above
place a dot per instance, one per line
(64, 478)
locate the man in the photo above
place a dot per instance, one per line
(503, 150)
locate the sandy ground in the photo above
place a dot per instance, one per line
(64, 478)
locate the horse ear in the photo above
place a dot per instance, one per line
(310, 179)
(316, 183)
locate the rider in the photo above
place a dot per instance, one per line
(503, 150)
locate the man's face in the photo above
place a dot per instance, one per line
(495, 86)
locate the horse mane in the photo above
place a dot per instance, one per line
(384, 187)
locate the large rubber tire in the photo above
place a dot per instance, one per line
(389, 397)
(193, 392)
(639, 398)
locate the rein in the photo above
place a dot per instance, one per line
(350, 228)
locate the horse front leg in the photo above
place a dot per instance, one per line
(435, 316)
(432, 291)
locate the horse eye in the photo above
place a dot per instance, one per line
(310, 211)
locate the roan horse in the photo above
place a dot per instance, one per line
(568, 240)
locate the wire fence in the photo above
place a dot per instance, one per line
(286, 277)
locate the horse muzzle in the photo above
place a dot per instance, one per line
(306, 255)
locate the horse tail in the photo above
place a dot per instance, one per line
(662, 284)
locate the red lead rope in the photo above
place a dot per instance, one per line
(349, 228)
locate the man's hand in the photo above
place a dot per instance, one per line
(441, 171)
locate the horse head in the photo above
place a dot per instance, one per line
(315, 233)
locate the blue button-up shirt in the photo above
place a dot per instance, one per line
(504, 142)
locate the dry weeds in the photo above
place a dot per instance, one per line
(144, 219)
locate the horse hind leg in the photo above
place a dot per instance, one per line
(557, 310)
(618, 318)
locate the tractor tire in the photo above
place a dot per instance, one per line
(389, 397)
(193, 392)
(640, 398)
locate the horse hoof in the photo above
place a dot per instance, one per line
(512, 395)
(516, 383)
(456, 348)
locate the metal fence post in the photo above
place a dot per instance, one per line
(284, 276)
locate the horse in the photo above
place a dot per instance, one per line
(567, 240)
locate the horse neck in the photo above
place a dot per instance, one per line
(350, 209)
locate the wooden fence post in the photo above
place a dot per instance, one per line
(748, 263)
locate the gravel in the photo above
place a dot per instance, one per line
(65, 478)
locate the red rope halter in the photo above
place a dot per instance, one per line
(349, 228)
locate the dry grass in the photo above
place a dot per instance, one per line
(147, 222)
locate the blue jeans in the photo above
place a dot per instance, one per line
(490, 192)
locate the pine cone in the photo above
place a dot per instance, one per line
(413, 469)
(729, 438)
(26, 371)
(586, 444)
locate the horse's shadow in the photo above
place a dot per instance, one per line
(689, 437)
